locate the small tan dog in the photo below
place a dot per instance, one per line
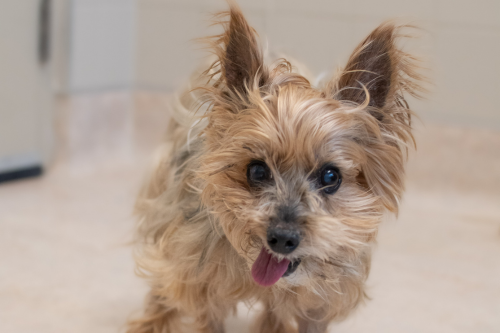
(276, 193)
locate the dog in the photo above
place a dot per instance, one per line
(271, 190)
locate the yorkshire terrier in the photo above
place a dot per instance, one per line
(271, 190)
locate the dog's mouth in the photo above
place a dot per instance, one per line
(292, 267)
(267, 269)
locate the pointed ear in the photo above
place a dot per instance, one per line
(377, 76)
(240, 57)
(377, 72)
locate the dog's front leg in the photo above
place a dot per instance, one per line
(206, 323)
(312, 325)
(157, 317)
(309, 326)
(270, 322)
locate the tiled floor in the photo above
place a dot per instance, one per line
(65, 265)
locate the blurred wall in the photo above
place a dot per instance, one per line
(26, 113)
(102, 44)
(460, 41)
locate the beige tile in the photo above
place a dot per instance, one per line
(63, 253)
(434, 270)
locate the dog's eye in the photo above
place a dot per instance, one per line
(330, 179)
(258, 172)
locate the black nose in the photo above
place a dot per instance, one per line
(282, 241)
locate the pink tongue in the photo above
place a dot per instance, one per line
(266, 270)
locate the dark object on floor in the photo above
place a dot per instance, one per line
(28, 172)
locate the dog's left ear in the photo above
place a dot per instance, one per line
(376, 78)
(240, 56)
(377, 73)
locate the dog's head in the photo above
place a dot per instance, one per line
(297, 176)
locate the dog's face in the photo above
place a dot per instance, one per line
(298, 177)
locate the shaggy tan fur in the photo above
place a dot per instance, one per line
(202, 225)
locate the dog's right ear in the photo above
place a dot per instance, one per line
(239, 54)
